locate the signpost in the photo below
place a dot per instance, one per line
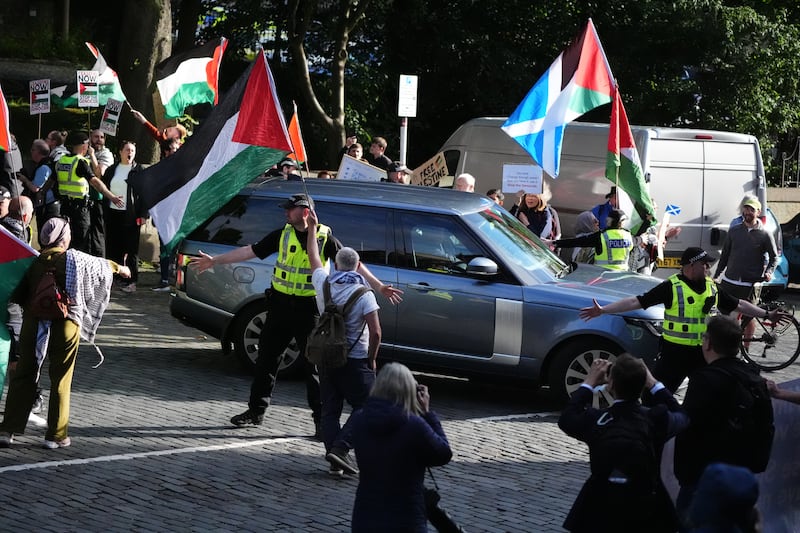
(406, 107)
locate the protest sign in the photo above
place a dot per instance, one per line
(430, 172)
(355, 170)
(40, 96)
(110, 120)
(517, 177)
(88, 95)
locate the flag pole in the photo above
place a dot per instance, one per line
(39, 133)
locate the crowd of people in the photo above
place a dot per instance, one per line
(89, 221)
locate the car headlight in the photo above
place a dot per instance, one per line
(638, 327)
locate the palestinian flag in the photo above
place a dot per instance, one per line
(15, 258)
(108, 84)
(578, 81)
(623, 167)
(190, 78)
(5, 134)
(242, 137)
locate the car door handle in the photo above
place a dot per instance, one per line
(421, 286)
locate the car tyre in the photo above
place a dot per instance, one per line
(571, 366)
(246, 333)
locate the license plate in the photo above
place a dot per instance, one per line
(670, 262)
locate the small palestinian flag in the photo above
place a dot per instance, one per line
(190, 78)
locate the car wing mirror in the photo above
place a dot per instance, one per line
(482, 266)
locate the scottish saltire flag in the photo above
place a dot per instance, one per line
(108, 84)
(5, 134)
(623, 167)
(190, 78)
(578, 81)
(242, 137)
(298, 146)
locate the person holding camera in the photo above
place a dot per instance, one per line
(624, 492)
(396, 437)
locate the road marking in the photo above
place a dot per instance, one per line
(218, 447)
(514, 417)
(155, 453)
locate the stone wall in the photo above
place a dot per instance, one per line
(784, 202)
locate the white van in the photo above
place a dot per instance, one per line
(702, 173)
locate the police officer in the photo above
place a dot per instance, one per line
(688, 298)
(73, 176)
(612, 245)
(291, 303)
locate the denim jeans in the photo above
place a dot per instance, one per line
(352, 382)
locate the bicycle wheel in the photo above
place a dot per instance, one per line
(772, 346)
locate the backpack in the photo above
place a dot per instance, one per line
(622, 452)
(48, 301)
(327, 345)
(749, 420)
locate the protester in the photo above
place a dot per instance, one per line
(124, 223)
(396, 437)
(353, 381)
(539, 217)
(601, 211)
(725, 501)
(87, 282)
(170, 132)
(496, 195)
(465, 182)
(377, 157)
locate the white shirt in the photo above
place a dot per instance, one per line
(119, 185)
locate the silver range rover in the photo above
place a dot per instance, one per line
(483, 297)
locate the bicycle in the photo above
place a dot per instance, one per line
(774, 345)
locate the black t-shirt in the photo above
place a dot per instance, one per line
(662, 294)
(382, 161)
(269, 244)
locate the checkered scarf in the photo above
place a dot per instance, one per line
(89, 287)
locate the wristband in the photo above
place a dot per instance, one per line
(766, 314)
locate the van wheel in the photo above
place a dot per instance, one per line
(247, 331)
(572, 364)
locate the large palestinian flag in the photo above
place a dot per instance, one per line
(578, 81)
(190, 78)
(242, 137)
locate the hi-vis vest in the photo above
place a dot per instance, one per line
(69, 183)
(617, 245)
(292, 273)
(685, 320)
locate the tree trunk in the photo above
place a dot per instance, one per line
(301, 15)
(146, 30)
(188, 14)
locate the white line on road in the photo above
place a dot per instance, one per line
(128, 456)
(217, 447)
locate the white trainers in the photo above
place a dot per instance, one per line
(37, 421)
(163, 286)
(55, 444)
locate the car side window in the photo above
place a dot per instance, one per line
(362, 228)
(243, 220)
(436, 244)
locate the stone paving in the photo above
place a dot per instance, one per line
(153, 450)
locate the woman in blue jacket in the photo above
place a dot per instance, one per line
(396, 437)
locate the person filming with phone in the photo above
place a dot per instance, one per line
(624, 491)
(396, 437)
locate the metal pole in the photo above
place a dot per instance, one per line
(403, 139)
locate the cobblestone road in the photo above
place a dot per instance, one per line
(153, 451)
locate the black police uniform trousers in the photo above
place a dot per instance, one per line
(288, 317)
(77, 210)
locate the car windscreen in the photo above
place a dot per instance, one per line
(518, 246)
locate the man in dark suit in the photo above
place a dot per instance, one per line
(624, 492)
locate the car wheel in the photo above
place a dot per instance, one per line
(572, 365)
(246, 333)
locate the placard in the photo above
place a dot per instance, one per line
(110, 120)
(430, 172)
(88, 94)
(519, 177)
(40, 96)
(355, 170)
